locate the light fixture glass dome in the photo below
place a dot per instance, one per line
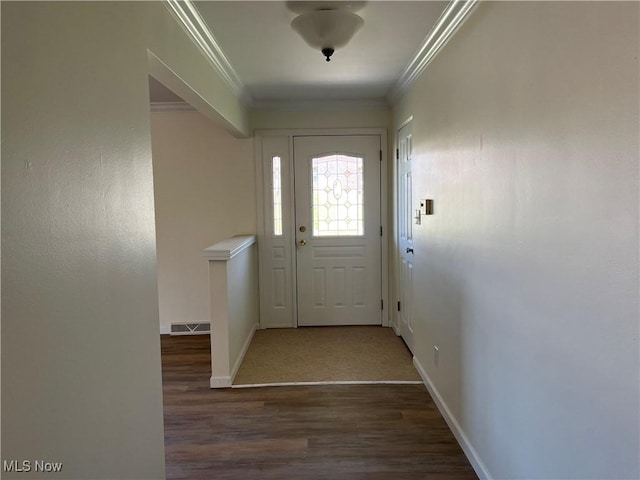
(327, 29)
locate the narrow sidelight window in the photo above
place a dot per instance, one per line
(277, 195)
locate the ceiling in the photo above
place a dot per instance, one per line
(276, 67)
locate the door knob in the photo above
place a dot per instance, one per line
(303, 242)
(409, 250)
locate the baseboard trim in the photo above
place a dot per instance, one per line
(243, 352)
(277, 325)
(220, 382)
(396, 330)
(468, 449)
(345, 382)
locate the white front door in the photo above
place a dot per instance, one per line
(405, 234)
(338, 229)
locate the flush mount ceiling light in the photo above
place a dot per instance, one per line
(327, 29)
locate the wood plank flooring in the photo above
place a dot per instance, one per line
(372, 432)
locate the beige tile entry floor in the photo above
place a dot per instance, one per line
(325, 355)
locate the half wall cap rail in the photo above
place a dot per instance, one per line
(229, 248)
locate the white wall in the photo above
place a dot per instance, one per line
(353, 117)
(244, 300)
(234, 297)
(204, 185)
(235, 305)
(526, 136)
(81, 376)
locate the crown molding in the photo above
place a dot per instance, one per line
(164, 107)
(453, 16)
(190, 19)
(186, 14)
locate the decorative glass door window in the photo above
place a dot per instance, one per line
(276, 173)
(337, 196)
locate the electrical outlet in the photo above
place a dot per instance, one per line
(436, 355)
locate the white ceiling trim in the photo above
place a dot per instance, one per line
(453, 16)
(160, 107)
(189, 17)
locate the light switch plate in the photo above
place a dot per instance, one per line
(426, 206)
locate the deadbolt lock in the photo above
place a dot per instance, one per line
(302, 228)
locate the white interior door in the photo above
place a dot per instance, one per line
(338, 229)
(405, 234)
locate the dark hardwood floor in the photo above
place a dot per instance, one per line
(372, 432)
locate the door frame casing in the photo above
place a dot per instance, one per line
(265, 240)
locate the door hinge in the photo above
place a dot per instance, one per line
(380, 155)
(380, 230)
(381, 304)
(398, 306)
(397, 154)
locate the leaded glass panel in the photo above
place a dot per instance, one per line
(277, 195)
(337, 189)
